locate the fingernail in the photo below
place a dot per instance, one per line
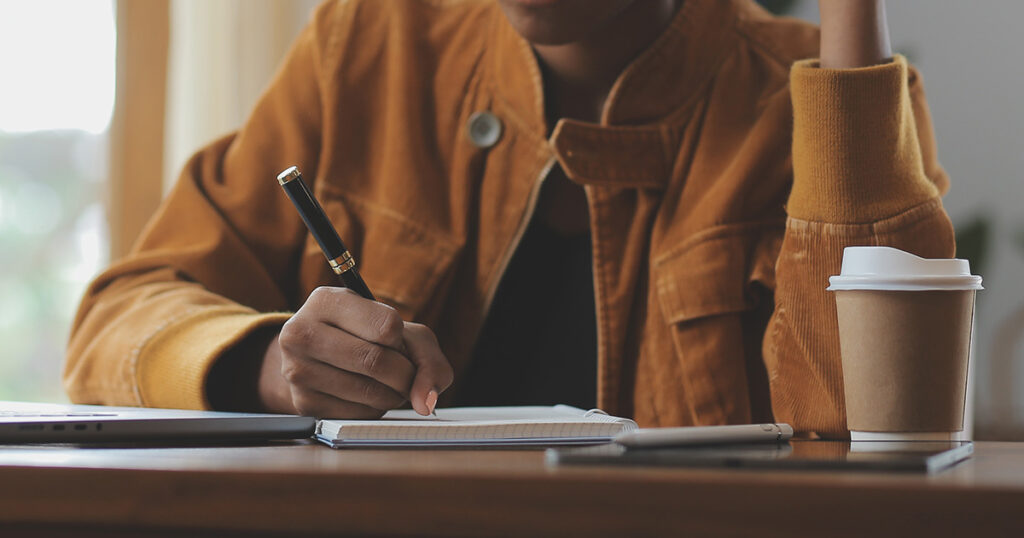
(431, 401)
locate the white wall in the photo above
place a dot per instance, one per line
(969, 54)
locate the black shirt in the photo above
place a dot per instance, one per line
(538, 345)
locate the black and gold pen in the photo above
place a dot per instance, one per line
(326, 236)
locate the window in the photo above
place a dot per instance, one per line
(58, 63)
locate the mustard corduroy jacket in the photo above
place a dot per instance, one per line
(723, 182)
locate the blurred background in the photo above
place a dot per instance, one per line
(103, 101)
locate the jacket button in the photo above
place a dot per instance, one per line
(484, 129)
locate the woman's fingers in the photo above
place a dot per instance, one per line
(433, 371)
(322, 377)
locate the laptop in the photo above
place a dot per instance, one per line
(24, 422)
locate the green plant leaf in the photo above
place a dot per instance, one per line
(778, 7)
(972, 242)
(1018, 238)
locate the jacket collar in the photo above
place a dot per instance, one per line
(633, 146)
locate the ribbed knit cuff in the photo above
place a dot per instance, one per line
(172, 366)
(856, 155)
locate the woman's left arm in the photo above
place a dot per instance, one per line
(854, 33)
(864, 173)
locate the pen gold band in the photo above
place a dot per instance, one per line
(342, 263)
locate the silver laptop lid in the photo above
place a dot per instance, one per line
(25, 422)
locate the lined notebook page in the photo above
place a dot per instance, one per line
(479, 423)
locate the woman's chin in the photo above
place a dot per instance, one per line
(558, 22)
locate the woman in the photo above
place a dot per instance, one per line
(466, 150)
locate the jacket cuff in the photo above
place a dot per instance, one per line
(172, 365)
(856, 155)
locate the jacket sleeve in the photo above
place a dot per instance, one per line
(217, 261)
(865, 173)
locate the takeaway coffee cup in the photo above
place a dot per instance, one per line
(905, 336)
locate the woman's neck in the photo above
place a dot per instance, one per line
(578, 76)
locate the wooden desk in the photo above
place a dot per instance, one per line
(293, 489)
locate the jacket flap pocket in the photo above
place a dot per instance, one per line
(704, 277)
(402, 262)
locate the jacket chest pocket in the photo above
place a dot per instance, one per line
(404, 264)
(703, 293)
(703, 279)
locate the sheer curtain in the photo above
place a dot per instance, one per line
(223, 53)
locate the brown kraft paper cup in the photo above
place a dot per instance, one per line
(905, 357)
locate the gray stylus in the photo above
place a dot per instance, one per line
(705, 435)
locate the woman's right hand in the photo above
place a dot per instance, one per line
(344, 356)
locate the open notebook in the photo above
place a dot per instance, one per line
(477, 426)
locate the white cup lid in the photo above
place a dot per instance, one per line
(887, 268)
